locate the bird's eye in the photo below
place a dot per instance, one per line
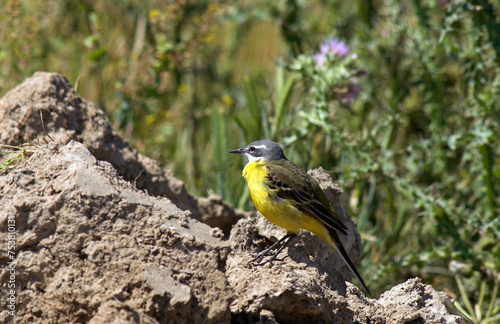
(252, 149)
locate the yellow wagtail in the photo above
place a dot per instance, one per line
(290, 198)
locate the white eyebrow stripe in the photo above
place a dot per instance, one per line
(259, 146)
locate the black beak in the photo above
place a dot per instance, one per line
(237, 151)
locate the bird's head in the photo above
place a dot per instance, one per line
(262, 150)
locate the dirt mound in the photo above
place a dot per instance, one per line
(80, 243)
(86, 238)
(48, 102)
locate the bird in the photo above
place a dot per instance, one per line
(290, 198)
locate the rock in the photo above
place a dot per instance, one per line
(45, 107)
(93, 245)
(414, 302)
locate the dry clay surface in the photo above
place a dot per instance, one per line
(95, 244)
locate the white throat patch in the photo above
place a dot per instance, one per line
(253, 158)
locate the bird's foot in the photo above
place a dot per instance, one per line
(258, 259)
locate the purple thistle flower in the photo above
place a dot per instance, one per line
(334, 45)
(323, 49)
(337, 46)
(320, 58)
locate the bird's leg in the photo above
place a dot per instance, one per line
(264, 253)
(288, 237)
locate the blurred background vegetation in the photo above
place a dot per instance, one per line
(407, 121)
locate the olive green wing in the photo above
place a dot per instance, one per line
(291, 182)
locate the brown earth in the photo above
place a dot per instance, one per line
(105, 235)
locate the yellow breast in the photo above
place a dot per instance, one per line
(282, 212)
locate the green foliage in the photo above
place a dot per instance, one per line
(407, 121)
(12, 156)
(480, 312)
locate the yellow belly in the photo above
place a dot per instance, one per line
(280, 212)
